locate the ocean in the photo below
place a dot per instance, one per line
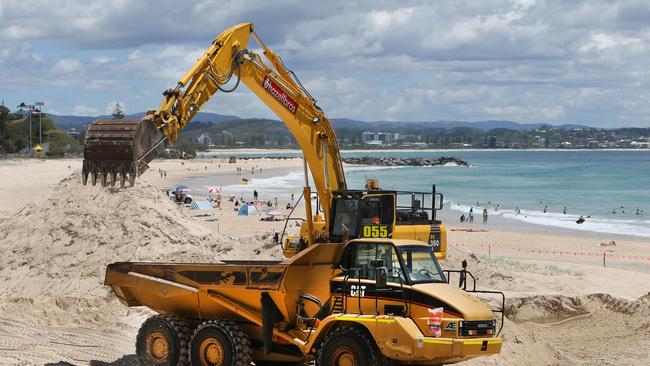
(592, 183)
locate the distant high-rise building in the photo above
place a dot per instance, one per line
(228, 138)
(204, 139)
(378, 138)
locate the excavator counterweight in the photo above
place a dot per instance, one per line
(119, 150)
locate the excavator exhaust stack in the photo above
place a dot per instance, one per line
(119, 150)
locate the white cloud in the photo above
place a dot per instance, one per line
(103, 84)
(102, 59)
(67, 66)
(82, 110)
(603, 41)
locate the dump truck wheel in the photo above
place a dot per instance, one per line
(350, 346)
(163, 340)
(188, 201)
(220, 343)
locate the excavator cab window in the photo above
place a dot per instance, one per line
(346, 215)
(370, 216)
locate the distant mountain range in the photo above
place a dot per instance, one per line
(80, 121)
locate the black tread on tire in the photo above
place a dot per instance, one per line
(176, 330)
(238, 350)
(356, 339)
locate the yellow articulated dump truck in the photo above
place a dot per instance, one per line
(366, 302)
(361, 285)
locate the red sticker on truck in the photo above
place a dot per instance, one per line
(280, 95)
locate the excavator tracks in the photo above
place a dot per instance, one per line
(119, 150)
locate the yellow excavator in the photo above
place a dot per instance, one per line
(361, 284)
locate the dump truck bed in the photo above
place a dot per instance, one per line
(194, 290)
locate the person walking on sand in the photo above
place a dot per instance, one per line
(471, 215)
(255, 195)
(275, 201)
(485, 215)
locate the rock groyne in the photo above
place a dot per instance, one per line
(391, 161)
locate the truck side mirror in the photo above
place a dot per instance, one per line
(381, 278)
(381, 274)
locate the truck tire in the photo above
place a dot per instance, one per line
(220, 343)
(188, 201)
(163, 340)
(350, 346)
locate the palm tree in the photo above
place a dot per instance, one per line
(21, 106)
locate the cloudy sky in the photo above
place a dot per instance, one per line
(521, 60)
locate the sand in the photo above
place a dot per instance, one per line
(57, 236)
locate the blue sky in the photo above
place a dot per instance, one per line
(524, 60)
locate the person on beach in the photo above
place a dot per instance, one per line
(517, 210)
(275, 201)
(564, 210)
(462, 218)
(471, 215)
(546, 209)
(485, 215)
(255, 195)
(580, 220)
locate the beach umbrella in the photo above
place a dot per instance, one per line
(274, 212)
(183, 189)
(213, 189)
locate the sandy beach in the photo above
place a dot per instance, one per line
(564, 307)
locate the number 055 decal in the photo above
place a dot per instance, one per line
(375, 231)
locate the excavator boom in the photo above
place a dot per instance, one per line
(120, 150)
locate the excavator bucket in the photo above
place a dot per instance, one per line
(119, 150)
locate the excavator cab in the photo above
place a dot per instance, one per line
(379, 213)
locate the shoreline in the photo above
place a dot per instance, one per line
(297, 151)
(34, 178)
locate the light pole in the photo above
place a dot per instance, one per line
(40, 121)
(30, 109)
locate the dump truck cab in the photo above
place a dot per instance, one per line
(397, 291)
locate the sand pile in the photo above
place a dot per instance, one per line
(59, 247)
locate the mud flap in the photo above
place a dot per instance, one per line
(270, 316)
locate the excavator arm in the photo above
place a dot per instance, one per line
(123, 148)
